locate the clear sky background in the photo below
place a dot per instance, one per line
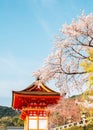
(27, 32)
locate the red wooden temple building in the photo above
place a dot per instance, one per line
(33, 102)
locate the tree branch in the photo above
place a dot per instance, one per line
(78, 53)
(72, 73)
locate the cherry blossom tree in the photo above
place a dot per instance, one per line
(69, 50)
(64, 112)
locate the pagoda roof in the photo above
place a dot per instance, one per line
(37, 89)
(36, 92)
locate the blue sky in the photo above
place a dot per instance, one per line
(27, 32)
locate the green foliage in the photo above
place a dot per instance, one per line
(7, 111)
(9, 117)
(74, 128)
(11, 121)
(89, 126)
(17, 121)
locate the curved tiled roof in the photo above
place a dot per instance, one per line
(37, 88)
(36, 92)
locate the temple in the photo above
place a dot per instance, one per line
(33, 102)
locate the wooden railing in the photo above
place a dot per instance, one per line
(81, 123)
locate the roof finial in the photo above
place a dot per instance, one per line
(38, 78)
